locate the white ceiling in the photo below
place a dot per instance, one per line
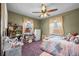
(27, 8)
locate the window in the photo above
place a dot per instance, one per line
(28, 26)
(56, 26)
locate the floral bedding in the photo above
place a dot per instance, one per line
(57, 46)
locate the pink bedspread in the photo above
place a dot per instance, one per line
(60, 47)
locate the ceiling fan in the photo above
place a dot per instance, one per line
(44, 11)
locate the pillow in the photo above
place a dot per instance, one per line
(68, 38)
(77, 36)
(76, 40)
(74, 33)
(72, 38)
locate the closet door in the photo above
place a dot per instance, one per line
(0, 29)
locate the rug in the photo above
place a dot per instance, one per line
(31, 49)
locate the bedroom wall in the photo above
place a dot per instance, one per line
(71, 22)
(45, 26)
(18, 19)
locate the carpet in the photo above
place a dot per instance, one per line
(31, 49)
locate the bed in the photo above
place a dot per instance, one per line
(58, 46)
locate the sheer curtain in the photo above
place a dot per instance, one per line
(56, 25)
(27, 23)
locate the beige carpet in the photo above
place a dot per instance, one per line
(45, 54)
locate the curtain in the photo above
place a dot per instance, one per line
(56, 25)
(27, 23)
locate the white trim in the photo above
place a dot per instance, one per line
(4, 20)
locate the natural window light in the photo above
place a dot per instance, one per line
(55, 26)
(28, 26)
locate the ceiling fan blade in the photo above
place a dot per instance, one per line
(36, 12)
(51, 10)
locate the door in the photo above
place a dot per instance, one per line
(4, 21)
(0, 29)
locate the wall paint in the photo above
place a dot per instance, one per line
(15, 18)
(18, 19)
(45, 26)
(71, 22)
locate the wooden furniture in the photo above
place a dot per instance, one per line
(13, 29)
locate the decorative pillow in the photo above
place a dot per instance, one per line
(68, 38)
(74, 33)
(76, 40)
(65, 37)
(72, 38)
(77, 36)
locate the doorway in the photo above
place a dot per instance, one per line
(0, 29)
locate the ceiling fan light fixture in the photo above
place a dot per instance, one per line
(43, 8)
(44, 12)
(43, 15)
